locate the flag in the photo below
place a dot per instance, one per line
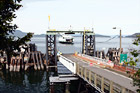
(49, 18)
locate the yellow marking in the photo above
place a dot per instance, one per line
(52, 30)
(49, 17)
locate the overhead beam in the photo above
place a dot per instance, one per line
(59, 32)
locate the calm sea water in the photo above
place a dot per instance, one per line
(101, 44)
(37, 81)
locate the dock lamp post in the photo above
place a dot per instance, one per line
(120, 39)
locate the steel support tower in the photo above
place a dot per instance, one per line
(51, 50)
(88, 44)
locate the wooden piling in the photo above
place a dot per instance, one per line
(22, 61)
(36, 56)
(35, 67)
(27, 63)
(67, 87)
(52, 88)
(7, 67)
(18, 64)
(42, 67)
(11, 64)
(15, 64)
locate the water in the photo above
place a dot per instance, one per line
(37, 81)
(77, 46)
(29, 82)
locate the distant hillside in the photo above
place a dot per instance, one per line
(134, 35)
(75, 35)
(41, 35)
(19, 33)
(98, 35)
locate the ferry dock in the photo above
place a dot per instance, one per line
(90, 66)
(102, 74)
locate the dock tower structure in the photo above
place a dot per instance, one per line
(88, 45)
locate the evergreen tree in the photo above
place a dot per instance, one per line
(8, 42)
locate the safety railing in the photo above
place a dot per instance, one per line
(100, 83)
(68, 63)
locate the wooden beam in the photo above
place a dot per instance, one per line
(95, 79)
(89, 76)
(102, 84)
(38, 66)
(42, 66)
(123, 90)
(35, 67)
(111, 87)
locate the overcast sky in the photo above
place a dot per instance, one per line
(102, 15)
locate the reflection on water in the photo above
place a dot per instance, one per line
(34, 81)
(30, 81)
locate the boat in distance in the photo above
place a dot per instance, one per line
(68, 39)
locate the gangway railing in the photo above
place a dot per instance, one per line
(68, 63)
(101, 83)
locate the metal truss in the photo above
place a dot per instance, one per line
(51, 51)
(88, 46)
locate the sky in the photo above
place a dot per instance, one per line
(102, 15)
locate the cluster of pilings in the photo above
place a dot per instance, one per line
(112, 54)
(29, 59)
(100, 54)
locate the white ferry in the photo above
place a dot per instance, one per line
(65, 38)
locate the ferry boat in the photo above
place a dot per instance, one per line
(65, 38)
